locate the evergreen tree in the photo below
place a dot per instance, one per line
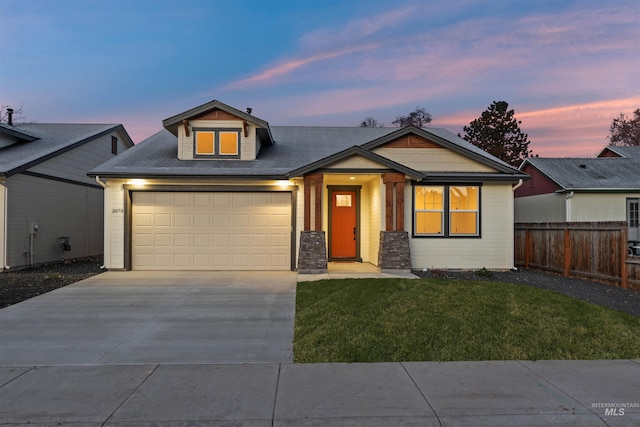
(498, 133)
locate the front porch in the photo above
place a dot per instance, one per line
(355, 270)
(353, 217)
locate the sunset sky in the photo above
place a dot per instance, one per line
(566, 67)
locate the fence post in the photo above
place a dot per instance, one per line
(567, 251)
(527, 241)
(623, 256)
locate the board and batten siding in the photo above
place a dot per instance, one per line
(494, 250)
(61, 210)
(74, 164)
(375, 187)
(432, 159)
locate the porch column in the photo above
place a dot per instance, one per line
(315, 181)
(312, 255)
(394, 252)
(391, 181)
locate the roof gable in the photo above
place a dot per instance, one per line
(441, 138)
(357, 152)
(214, 110)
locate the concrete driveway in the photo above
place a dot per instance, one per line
(155, 317)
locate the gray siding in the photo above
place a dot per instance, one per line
(60, 209)
(75, 164)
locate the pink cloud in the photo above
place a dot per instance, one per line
(576, 130)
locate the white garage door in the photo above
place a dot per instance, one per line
(211, 231)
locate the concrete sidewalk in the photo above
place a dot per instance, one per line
(575, 393)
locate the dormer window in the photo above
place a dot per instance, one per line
(216, 142)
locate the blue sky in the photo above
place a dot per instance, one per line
(566, 67)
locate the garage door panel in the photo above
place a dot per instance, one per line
(211, 231)
(162, 220)
(182, 220)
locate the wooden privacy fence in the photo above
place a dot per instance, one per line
(586, 250)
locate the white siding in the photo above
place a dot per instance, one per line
(432, 159)
(114, 224)
(60, 209)
(356, 162)
(375, 219)
(493, 250)
(541, 208)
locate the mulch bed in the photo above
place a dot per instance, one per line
(19, 285)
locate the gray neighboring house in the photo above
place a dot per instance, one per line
(604, 188)
(47, 201)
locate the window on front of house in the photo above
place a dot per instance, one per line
(446, 210)
(218, 143)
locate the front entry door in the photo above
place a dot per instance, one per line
(344, 225)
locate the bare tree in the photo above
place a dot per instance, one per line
(370, 122)
(625, 131)
(419, 117)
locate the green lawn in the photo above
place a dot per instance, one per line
(388, 320)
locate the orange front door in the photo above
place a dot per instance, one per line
(344, 232)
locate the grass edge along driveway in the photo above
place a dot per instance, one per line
(392, 320)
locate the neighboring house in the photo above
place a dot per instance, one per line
(220, 189)
(45, 193)
(605, 188)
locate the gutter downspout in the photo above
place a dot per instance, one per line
(567, 217)
(515, 187)
(99, 181)
(5, 225)
(103, 185)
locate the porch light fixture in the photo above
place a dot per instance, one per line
(283, 184)
(352, 178)
(137, 182)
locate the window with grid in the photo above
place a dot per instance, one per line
(446, 210)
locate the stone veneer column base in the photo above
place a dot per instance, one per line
(312, 258)
(394, 252)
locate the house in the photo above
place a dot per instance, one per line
(49, 207)
(221, 189)
(604, 188)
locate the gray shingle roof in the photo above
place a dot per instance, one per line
(603, 173)
(52, 138)
(295, 147)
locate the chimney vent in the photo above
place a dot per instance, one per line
(10, 116)
(583, 166)
(249, 110)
